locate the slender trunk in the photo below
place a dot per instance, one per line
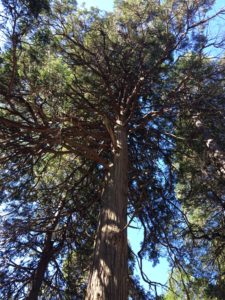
(39, 273)
(108, 277)
(47, 255)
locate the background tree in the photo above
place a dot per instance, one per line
(43, 223)
(200, 188)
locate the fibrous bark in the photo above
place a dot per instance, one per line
(108, 275)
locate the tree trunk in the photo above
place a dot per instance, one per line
(39, 273)
(48, 253)
(108, 278)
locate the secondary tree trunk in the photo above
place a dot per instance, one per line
(47, 255)
(108, 277)
(39, 273)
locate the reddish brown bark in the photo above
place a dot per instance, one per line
(108, 275)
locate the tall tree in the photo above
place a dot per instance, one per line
(111, 93)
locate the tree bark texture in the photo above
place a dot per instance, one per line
(108, 278)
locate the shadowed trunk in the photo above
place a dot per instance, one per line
(39, 273)
(108, 275)
(48, 252)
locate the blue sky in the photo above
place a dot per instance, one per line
(102, 4)
(108, 4)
